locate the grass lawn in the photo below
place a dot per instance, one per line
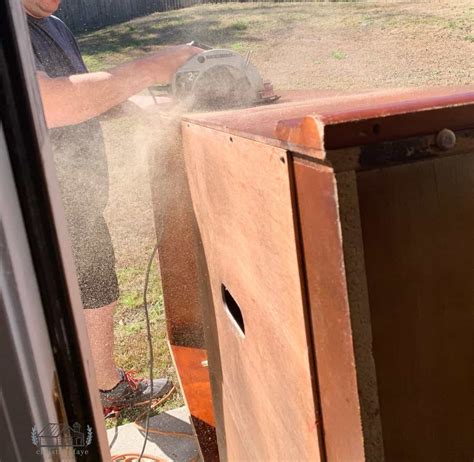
(303, 45)
(295, 45)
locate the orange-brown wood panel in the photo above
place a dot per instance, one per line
(194, 379)
(372, 117)
(333, 260)
(418, 228)
(243, 202)
(310, 121)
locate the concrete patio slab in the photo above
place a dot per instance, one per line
(174, 442)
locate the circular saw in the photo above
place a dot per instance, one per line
(219, 79)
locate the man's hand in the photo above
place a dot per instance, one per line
(77, 98)
(162, 65)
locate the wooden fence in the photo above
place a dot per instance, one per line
(83, 15)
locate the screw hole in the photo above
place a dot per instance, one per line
(231, 139)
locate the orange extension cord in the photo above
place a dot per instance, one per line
(134, 456)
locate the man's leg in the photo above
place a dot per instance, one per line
(95, 266)
(100, 328)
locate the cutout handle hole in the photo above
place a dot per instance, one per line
(233, 310)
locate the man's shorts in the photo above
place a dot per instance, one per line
(94, 259)
(81, 167)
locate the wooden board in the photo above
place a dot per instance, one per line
(418, 228)
(259, 122)
(243, 202)
(366, 118)
(196, 387)
(337, 293)
(309, 122)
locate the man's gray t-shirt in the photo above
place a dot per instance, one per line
(55, 48)
(79, 150)
(79, 155)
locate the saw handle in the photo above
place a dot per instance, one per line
(197, 44)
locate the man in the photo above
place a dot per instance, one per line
(72, 100)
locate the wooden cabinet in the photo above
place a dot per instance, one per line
(336, 252)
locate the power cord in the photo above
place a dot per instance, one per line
(152, 404)
(150, 347)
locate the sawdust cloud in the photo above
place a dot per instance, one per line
(133, 144)
(122, 187)
(115, 182)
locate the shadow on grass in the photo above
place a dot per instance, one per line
(227, 24)
(216, 25)
(116, 41)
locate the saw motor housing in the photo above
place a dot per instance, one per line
(220, 79)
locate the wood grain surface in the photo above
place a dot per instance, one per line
(243, 202)
(418, 228)
(372, 117)
(311, 121)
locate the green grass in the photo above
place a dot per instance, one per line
(338, 55)
(238, 46)
(239, 25)
(261, 27)
(115, 44)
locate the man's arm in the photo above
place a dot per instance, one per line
(77, 98)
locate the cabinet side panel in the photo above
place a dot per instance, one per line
(243, 201)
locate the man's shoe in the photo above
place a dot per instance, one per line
(130, 392)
